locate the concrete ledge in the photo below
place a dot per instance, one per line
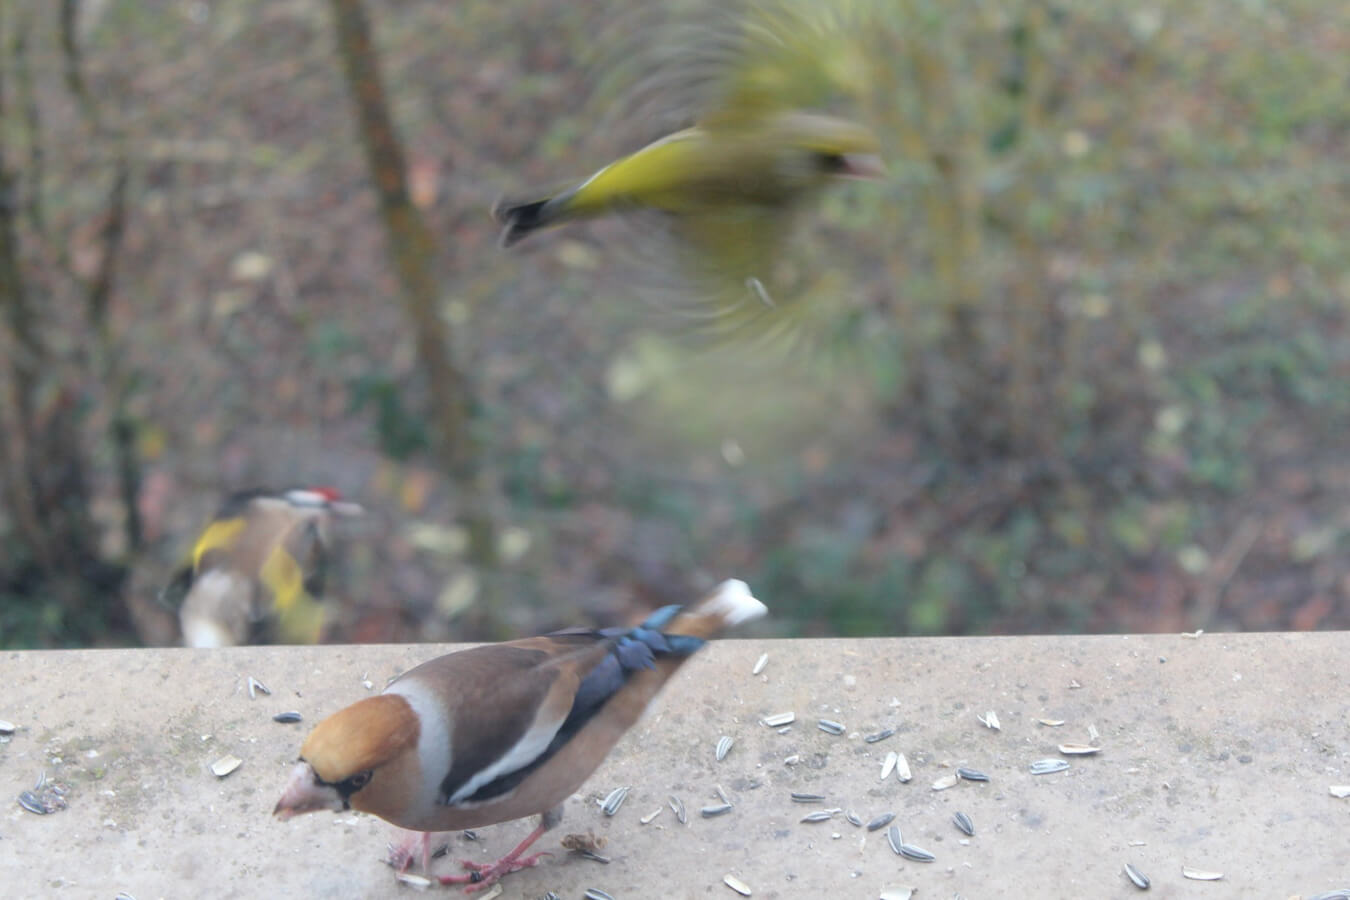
(1217, 753)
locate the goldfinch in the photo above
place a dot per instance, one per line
(501, 731)
(257, 571)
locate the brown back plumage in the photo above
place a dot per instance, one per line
(362, 736)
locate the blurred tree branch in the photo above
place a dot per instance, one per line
(410, 239)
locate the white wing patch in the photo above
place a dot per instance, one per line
(530, 747)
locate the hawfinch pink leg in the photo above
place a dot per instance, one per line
(482, 875)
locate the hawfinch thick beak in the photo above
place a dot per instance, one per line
(304, 794)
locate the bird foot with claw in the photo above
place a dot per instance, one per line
(483, 875)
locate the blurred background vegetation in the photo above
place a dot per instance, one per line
(1088, 351)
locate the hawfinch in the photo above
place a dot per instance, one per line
(501, 731)
(257, 570)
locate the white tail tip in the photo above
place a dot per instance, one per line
(733, 601)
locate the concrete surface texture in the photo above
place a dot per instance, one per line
(1217, 753)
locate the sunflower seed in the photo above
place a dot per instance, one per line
(225, 765)
(893, 838)
(724, 747)
(902, 771)
(779, 719)
(287, 718)
(29, 801)
(1078, 749)
(677, 807)
(798, 797)
(736, 885)
(963, 823)
(888, 764)
(1139, 878)
(918, 854)
(615, 799)
(830, 727)
(880, 821)
(853, 818)
(820, 815)
(647, 819)
(971, 774)
(1051, 723)
(760, 664)
(990, 720)
(468, 834)
(256, 687)
(596, 894)
(879, 736)
(6, 727)
(414, 881)
(945, 782)
(592, 856)
(721, 794)
(897, 893)
(1340, 791)
(1048, 766)
(709, 811)
(1200, 874)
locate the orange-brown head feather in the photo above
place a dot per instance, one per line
(363, 736)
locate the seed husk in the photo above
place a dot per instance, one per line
(1093, 735)
(225, 765)
(945, 782)
(256, 687)
(414, 880)
(721, 794)
(918, 854)
(677, 807)
(963, 823)
(647, 819)
(29, 801)
(615, 799)
(879, 736)
(888, 764)
(799, 797)
(830, 726)
(1200, 874)
(902, 771)
(1139, 879)
(736, 885)
(893, 838)
(1048, 766)
(777, 720)
(708, 812)
(1051, 723)
(760, 664)
(493, 892)
(820, 815)
(1341, 894)
(1340, 791)
(468, 834)
(7, 727)
(897, 893)
(853, 818)
(287, 718)
(724, 745)
(990, 720)
(1078, 749)
(881, 821)
(971, 774)
(596, 894)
